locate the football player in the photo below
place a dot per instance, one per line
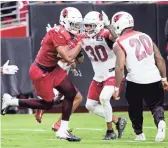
(97, 44)
(59, 44)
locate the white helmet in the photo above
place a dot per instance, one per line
(71, 19)
(95, 19)
(120, 21)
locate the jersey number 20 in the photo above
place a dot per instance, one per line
(142, 41)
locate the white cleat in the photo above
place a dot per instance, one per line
(140, 137)
(62, 134)
(161, 131)
(5, 103)
(67, 135)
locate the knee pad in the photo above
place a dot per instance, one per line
(90, 104)
(106, 95)
(158, 114)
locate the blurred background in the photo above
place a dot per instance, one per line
(23, 25)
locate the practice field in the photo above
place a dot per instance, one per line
(22, 131)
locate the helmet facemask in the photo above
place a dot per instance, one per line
(75, 28)
(71, 19)
(90, 29)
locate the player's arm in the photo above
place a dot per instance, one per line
(66, 48)
(69, 54)
(160, 62)
(107, 25)
(120, 63)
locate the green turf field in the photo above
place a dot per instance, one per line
(22, 131)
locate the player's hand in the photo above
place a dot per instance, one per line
(105, 19)
(165, 85)
(116, 95)
(9, 69)
(48, 27)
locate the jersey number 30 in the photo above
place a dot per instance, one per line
(142, 41)
(98, 53)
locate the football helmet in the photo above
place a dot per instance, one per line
(120, 21)
(71, 19)
(93, 23)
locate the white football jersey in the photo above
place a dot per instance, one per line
(140, 60)
(101, 56)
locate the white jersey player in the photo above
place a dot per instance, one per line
(98, 47)
(146, 78)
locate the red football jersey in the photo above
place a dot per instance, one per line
(47, 55)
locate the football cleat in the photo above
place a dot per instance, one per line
(38, 115)
(161, 131)
(120, 126)
(5, 103)
(140, 137)
(110, 134)
(67, 135)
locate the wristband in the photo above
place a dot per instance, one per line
(164, 79)
(116, 88)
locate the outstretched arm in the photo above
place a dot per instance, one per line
(9, 69)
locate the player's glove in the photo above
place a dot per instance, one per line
(9, 69)
(48, 27)
(105, 19)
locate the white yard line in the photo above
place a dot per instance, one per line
(90, 129)
(24, 129)
(78, 128)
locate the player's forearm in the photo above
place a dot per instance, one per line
(73, 53)
(162, 67)
(118, 75)
(111, 35)
(109, 28)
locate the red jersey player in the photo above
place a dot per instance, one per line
(59, 97)
(59, 43)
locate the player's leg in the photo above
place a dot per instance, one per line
(154, 98)
(39, 113)
(105, 97)
(134, 97)
(68, 90)
(92, 102)
(8, 101)
(76, 102)
(43, 86)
